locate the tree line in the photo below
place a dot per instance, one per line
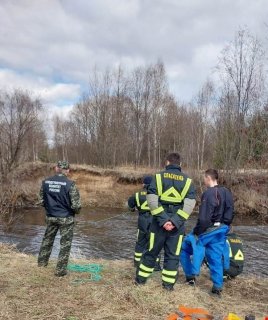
(132, 118)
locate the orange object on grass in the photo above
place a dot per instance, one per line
(185, 313)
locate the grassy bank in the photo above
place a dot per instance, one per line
(28, 292)
(112, 187)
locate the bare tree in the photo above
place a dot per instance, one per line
(241, 70)
(18, 120)
(205, 104)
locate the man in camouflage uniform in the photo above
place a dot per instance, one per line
(61, 200)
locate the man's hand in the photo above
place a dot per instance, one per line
(168, 226)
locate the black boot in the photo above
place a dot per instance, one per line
(61, 273)
(191, 281)
(168, 287)
(216, 292)
(139, 282)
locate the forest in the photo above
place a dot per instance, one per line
(131, 118)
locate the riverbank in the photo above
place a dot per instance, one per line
(28, 292)
(112, 187)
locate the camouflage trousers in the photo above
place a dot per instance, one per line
(66, 227)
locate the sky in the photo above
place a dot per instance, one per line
(49, 47)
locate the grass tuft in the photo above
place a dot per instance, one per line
(28, 292)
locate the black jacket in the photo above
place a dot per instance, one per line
(139, 201)
(216, 206)
(172, 179)
(56, 196)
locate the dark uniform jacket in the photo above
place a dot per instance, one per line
(235, 253)
(176, 186)
(217, 206)
(139, 201)
(60, 196)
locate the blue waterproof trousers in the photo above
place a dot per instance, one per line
(192, 256)
(211, 245)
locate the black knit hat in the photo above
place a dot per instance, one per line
(147, 180)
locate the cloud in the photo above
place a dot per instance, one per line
(48, 92)
(61, 111)
(46, 40)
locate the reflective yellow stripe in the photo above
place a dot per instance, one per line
(159, 185)
(145, 206)
(157, 210)
(144, 268)
(138, 254)
(138, 199)
(239, 256)
(169, 273)
(179, 245)
(143, 274)
(171, 195)
(169, 280)
(186, 188)
(151, 244)
(137, 259)
(183, 214)
(230, 249)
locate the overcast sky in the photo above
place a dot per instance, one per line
(50, 46)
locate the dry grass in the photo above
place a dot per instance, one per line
(28, 292)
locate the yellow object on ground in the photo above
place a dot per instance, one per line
(233, 316)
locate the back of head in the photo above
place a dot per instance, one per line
(211, 178)
(173, 158)
(147, 180)
(63, 166)
(213, 174)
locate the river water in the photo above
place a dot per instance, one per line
(97, 237)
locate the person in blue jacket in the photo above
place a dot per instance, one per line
(208, 238)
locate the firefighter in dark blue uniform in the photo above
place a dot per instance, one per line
(138, 201)
(215, 217)
(171, 199)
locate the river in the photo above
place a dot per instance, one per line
(97, 237)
